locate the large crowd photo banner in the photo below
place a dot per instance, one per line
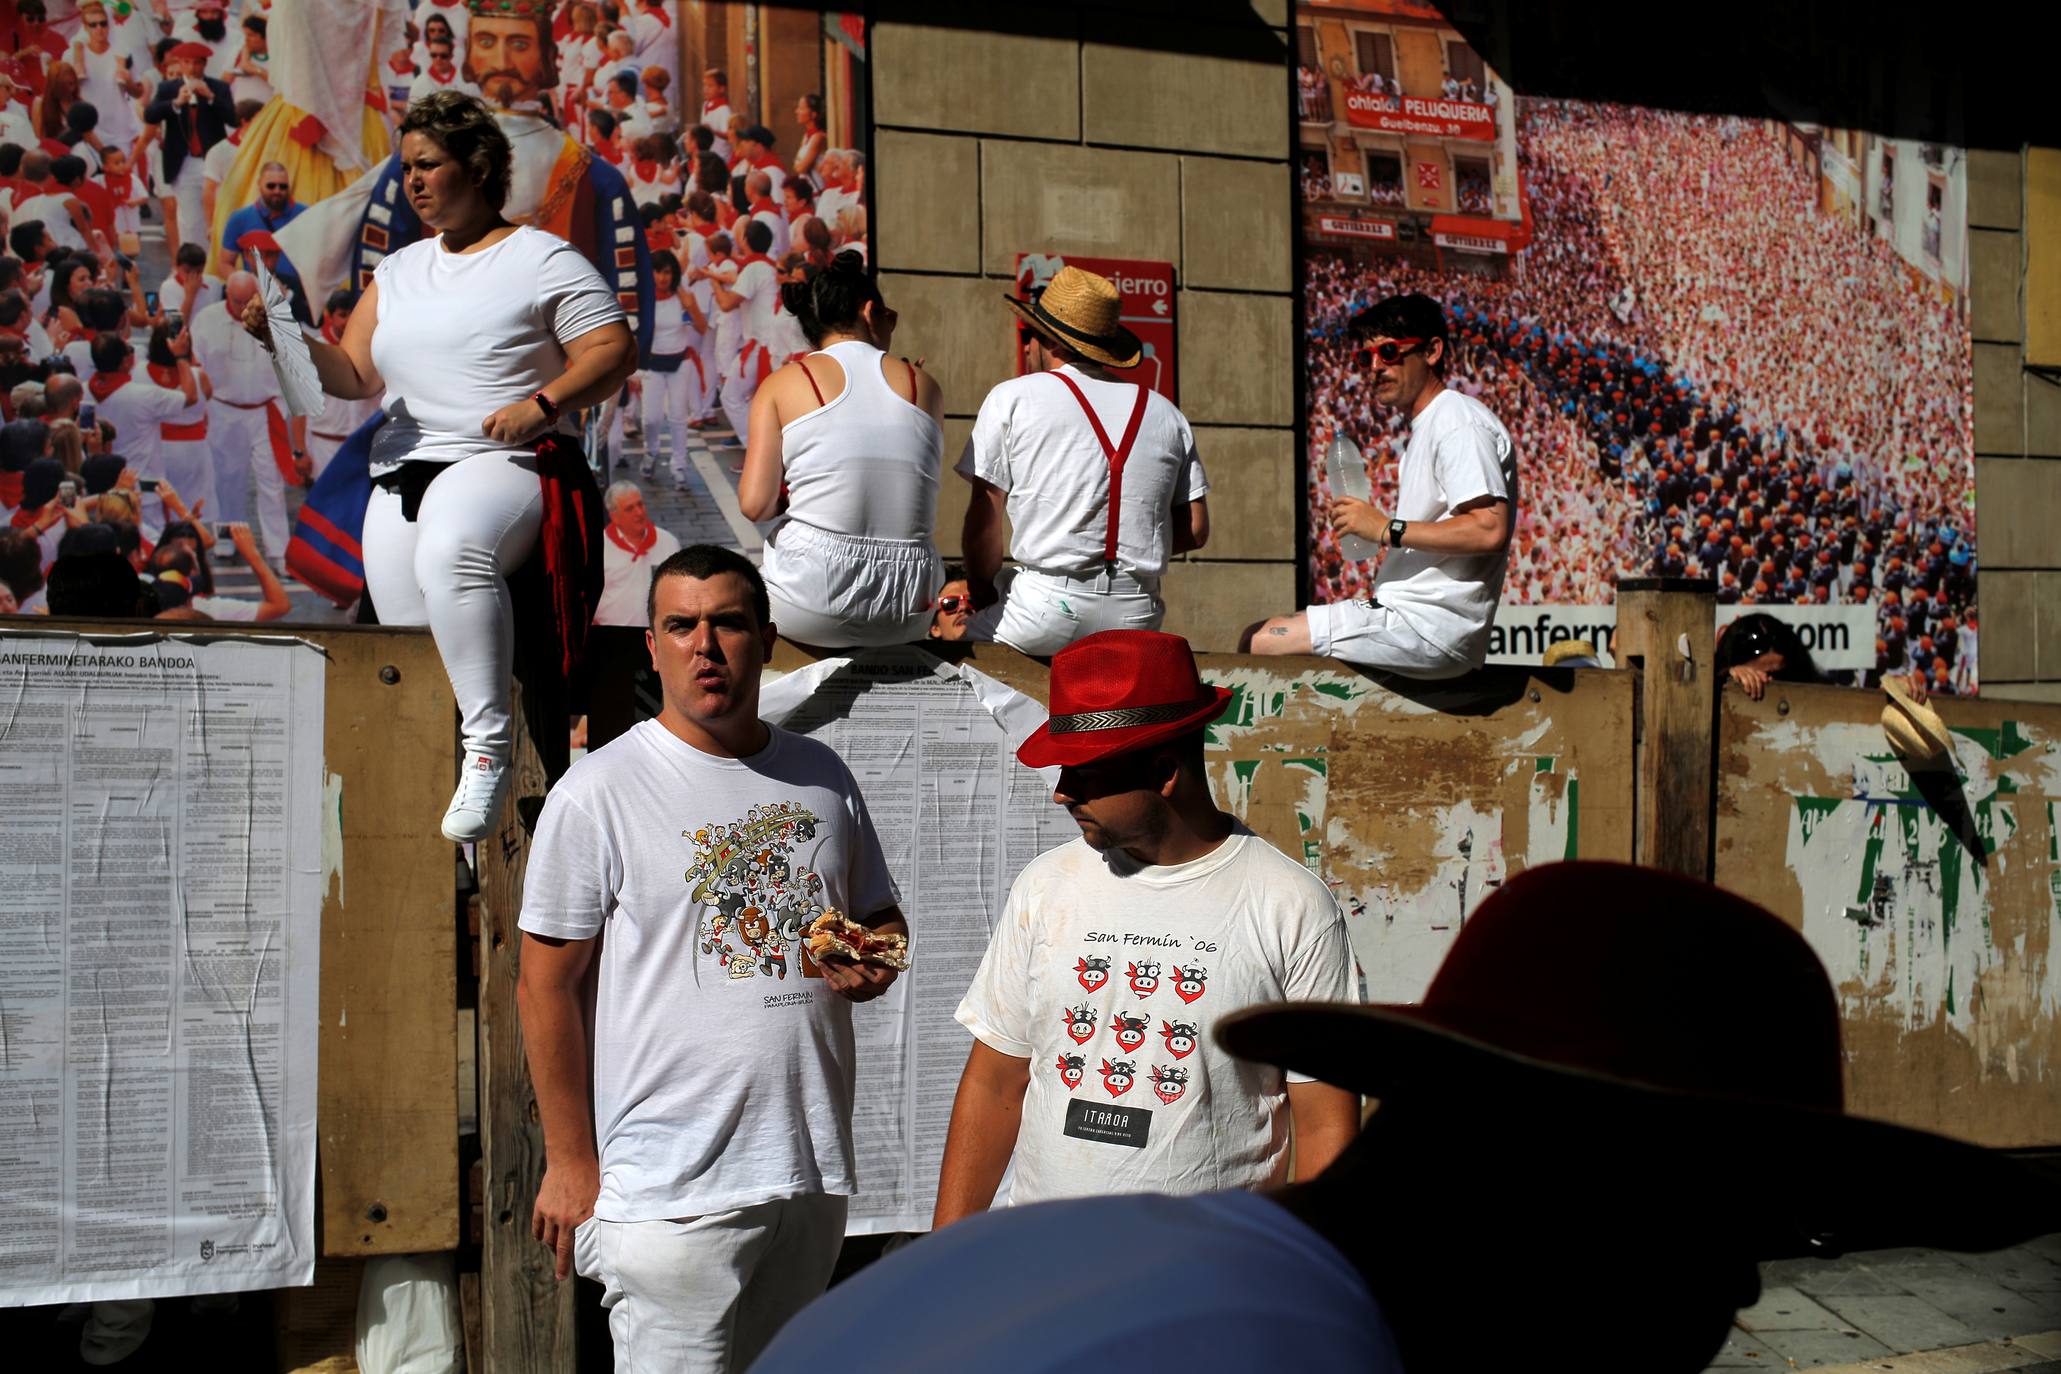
(1726, 347)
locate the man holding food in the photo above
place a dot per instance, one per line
(1092, 1068)
(698, 1141)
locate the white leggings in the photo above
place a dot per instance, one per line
(672, 397)
(478, 523)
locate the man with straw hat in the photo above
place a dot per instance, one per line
(1620, 1080)
(1099, 474)
(1448, 538)
(1091, 1068)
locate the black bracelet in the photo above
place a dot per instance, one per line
(547, 405)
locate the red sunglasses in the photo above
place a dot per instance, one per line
(1390, 352)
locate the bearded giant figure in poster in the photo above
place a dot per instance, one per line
(557, 184)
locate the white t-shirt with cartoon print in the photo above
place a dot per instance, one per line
(723, 1064)
(1108, 976)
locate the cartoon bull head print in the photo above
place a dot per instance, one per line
(1071, 1068)
(1130, 1031)
(1188, 982)
(1118, 1076)
(1180, 1036)
(1093, 971)
(1144, 976)
(1169, 1081)
(1080, 1023)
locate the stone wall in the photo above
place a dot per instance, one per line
(1092, 131)
(2017, 426)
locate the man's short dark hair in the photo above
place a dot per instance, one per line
(100, 308)
(110, 351)
(343, 298)
(758, 236)
(626, 83)
(703, 561)
(68, 170)
(25, 238)
(1413, 316)
(10, 158)
(601, 122)
(247, 110)
(190, 255)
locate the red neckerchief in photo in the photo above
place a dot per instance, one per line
(166, 377)
(610, 153)
(765, 160)
(11, 488)
(331, 334)
(709, 107)
(119, 185)
(444, 77)
(645, 170)
(760, 205)
(658, 12)
(24, 517)
(638, 549)
(660, 238)
(744, 260)
(106, 384)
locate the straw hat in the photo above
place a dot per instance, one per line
(1083, 312)
(1915, 731)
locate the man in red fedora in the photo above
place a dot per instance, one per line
(1618, 1075)
(1115, 956)
(1098, 473)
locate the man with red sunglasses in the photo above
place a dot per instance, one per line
(1448, 540)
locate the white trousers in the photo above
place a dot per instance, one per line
(740, 386)
(242, 444)
(707, 1294)
(1041, 613)
(1377, 636)
(189, 465)
(671, 397)
(186, 189)
(478, 523)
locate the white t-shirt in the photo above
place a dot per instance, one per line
(137, 409)
(1107, 975)
(171, 292)
(626, 579)
(1033, 441)
(226, 607)
(426, 84)
(723, 1064)
(216, 163)
(1458, 451)
(238, 367)
(759, 284)
(461, 335)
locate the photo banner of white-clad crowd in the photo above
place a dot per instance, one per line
(1732, 348)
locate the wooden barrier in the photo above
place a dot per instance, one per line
(1934, 899)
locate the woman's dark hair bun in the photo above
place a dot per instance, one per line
(831, 298)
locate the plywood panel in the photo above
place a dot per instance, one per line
(1935, 902)
(387, 1109)
(1413, 800)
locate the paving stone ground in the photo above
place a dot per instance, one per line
(1878, 1309)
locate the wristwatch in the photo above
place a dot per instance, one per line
(1395, 533)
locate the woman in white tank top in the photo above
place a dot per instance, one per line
(847, 446)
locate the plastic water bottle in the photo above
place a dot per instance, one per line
(1347, 472)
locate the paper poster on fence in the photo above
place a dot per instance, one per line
(160, 874)
(933, 747)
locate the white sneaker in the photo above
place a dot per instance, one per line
(477, 802)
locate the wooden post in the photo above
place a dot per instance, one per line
(1666, 627)
(526, 1315)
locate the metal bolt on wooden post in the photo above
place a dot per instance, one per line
(1666, 627)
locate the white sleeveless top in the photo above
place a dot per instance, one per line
(867, 462)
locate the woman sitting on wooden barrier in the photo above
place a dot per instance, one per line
(857, 440)
(479, 339)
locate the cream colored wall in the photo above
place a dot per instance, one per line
(2017, 423)
(1085, 135)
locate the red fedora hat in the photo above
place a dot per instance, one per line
(1118, 691)
(1654, 1003)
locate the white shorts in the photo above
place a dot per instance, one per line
(845, 591)
(1376, 636)
(707, 1294)
(1041, 613)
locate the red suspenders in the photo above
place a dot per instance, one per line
(1117, 456)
